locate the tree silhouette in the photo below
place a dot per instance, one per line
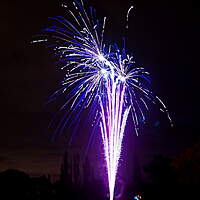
(187, 165)
(160, 170)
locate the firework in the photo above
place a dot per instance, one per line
(100, 73)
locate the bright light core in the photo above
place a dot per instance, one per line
(122, 78)
(101, 58)
(103, 71)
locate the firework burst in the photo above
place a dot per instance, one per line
(100, 73)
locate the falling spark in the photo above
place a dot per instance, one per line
(127, 16)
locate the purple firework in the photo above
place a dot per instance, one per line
(96, 72)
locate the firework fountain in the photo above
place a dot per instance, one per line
(100, 74)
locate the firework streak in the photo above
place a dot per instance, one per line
(100, 74)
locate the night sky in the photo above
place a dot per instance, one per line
(163, 37)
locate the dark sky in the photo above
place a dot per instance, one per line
(163, 36)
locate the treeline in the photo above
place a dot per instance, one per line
(166, 179)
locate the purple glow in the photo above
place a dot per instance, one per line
(114, 117)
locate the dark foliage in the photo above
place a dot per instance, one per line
(168, 179)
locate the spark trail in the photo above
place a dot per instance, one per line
(96, 73)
